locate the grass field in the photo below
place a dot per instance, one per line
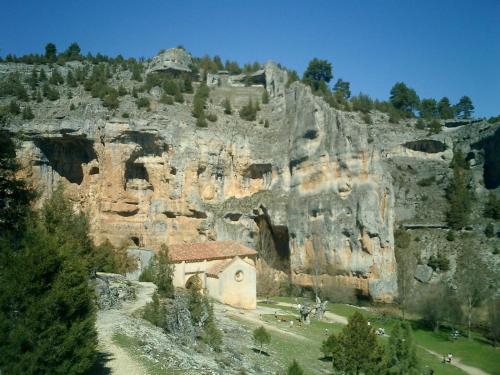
(475, 352)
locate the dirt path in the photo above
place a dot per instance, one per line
(457, 363)
(120, 362)
(255, 316)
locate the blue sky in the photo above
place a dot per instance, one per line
(440, 48)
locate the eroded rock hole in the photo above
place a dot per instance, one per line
(491, 166)
(66, 155)
(429, 146)
(272, 244)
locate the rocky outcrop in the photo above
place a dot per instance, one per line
(173, 59)
(316, 190)
(111, 290)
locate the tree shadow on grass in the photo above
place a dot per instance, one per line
(99, 367)
(326, 359)
(255, 350)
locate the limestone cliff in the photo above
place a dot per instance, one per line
(313, 185)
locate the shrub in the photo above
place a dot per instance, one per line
(367, 118)
(428, 181)
(362, 103)
(212, 117)
(142, 102)
(122, 91)
(72, 107)
(166, 99)
(266, 123)
(334, 290)
(178, 97)
(394, 115)
(492, 209)
(265, 97)
(294, 369)
(420, 124)
(56, 78)
(439, 262)
(249, 112)
(201, 122)
(110, 100)
(450, 236)
(227, 106)
(125, 115)
(28, 113)
(489, 231)
(14, 108)
(435, 126)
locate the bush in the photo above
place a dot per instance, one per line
(227, 107)
(122, 91)
(428, 181)
(166, 99)
(489, 231)
(28, 113)
(450, 236)
(335, 291)
(125, 115)
(362, 103)
(420, 124)
(201, 122)
(435, 126)
(294, 369)
(249, 112)
(72, 107)
(110, 100)
(367, 118)
(212, 117)
(439, 262)
(142, 102)
(14, 108)
(265, 97)
(179, 98)
(266, 123)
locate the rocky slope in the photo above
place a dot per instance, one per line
(321, 188)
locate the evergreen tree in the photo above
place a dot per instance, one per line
(73, 52)
(401, 351)
(445, 109)
(14, 194)
(56, 78)
(265, 97)
(464, 108)
(358, 350)
(428, 109)
(33, 80)
(404, 98)
(318, 71)
(70, 79)
(43, 75)
(343, 88)
(51, 52)
(47, 317)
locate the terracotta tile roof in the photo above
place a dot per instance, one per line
(208, 251)
(218, 268)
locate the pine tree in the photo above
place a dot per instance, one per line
(358, 350)
(227, 107)
(50, 52)
(401, 351)
(28, 113)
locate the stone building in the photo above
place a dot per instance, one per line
(226, 270)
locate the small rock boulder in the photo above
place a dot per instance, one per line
(423, 273)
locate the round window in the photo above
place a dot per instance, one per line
(238, 276)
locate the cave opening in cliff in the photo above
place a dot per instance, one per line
(491, 166)
(272, 243)
(134, 170)
(66, 155)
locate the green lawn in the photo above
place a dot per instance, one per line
(475, 352)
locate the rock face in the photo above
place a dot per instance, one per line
(174, 59)
(318, 191)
